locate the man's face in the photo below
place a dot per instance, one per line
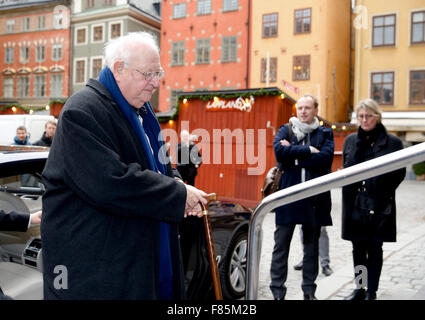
(306, 110)
(50, 130)
(21, 134)
(131, 79)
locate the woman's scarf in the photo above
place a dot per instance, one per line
(301, 129)
(151, 129)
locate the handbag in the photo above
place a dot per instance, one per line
(274, 175)
(272, 181)
(366, 206)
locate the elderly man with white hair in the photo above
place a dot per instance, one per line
(113, 202)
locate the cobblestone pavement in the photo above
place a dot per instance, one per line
(403, 273)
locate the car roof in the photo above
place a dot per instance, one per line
(20, 160)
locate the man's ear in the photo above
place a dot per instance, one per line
(118, 69)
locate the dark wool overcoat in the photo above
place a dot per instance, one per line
(102, 207)
(380, 190)
(314, 210)
(14, 221)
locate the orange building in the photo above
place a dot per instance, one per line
(204, 46)
(34, 53)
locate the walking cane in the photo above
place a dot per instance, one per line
(210, 245)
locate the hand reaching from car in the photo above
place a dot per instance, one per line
(36, 217)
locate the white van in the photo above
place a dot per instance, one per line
(34, 124)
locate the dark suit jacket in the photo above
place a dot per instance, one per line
(313, 210)
(103, 206)
(14, 221)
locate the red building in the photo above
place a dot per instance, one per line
(204, 46)
(35, 49)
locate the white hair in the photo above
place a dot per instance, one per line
(119, 49)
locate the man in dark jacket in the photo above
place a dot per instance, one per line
(305, 153)
(112, 201)
(188, 158)
(48, 134)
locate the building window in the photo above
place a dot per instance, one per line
(417, 87)
(270, 25)
(173, 97)
(96, 67)
(97, 33)
(41, 22)
(39, 86)
(8, 87)
(229, 49)
(57, 52)
(230, 5)
(179, 10)
(24, 54)
(81, 37)
(23, 86)
(107, 2)
(204, 7)
(40, 53)
(177, 53)
(115, 30)
(56, 83)
(383, 87)
(418, 27)
(9, 55)
(272, 70)
(302, 21)
(80, 71)
(25, 24)
(301, 68)
(203, 51)
(383, 30)
(10, 26)
(90, 3)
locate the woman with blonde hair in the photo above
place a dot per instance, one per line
(368, 207)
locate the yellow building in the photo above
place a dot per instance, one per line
(390, 62)
(303, 46)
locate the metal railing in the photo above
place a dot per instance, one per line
(364, 170)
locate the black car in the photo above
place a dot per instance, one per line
(21, 190)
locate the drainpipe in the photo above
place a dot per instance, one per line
(248, 55)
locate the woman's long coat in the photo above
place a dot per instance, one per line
(313, 210)
(102, 207)
(378, 227)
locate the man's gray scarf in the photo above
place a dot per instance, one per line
(301, 129)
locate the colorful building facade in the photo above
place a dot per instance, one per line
(303, 47)
(34, 53)
(390, 62)
(204, 47)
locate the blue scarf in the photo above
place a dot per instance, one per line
(20, 142)
(152, 130)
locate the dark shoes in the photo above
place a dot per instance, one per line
(327, 271)
(298, 266)
(309, 296)
(361, 294)
(370, 295)
(357, 294)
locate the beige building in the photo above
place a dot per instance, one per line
(303, 47)
(390, 62)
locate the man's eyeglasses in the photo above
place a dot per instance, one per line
(365, 116)
(149, 76)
